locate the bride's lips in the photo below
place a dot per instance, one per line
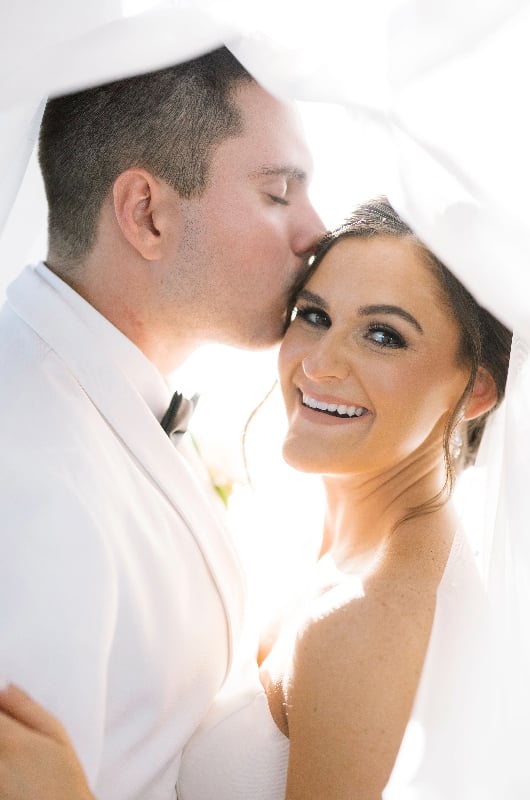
(330, 410)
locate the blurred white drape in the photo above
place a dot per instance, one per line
(441, 86)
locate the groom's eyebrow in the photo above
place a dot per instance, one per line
(283, 171)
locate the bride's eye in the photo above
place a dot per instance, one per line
(385, 336)
(313, 316)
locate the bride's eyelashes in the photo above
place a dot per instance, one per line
(384, 335)
(314, 316)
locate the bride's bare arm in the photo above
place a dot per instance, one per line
(351, 688)
(36, 757)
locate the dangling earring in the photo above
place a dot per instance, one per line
(456, 442)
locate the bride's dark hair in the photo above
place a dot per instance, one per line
(484, 341)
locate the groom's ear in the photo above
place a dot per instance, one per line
(483, 396)
(138, 199)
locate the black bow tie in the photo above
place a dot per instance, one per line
(178, 415)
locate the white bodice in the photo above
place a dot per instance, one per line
(237, 753)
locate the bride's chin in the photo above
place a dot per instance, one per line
(299, 458)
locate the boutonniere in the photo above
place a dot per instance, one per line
(223, 462)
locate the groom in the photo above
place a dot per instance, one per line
(178, 215)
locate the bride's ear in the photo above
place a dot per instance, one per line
(483, 396)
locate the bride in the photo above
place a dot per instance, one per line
(388, 370)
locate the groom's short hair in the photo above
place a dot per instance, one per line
(168, 122)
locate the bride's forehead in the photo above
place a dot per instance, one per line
(381, 262)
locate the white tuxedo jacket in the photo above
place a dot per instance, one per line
(121, 597)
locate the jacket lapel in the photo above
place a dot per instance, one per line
(43, 309)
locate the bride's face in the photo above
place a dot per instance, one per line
(368, 368)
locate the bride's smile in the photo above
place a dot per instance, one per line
(335, 408)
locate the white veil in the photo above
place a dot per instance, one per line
(443, 86)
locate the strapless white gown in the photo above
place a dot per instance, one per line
(238, 753)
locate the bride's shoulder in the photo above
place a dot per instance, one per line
(363, 617)
(364, 620)
(404, 575)
(356, 665)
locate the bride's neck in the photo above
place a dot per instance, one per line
(362, 511)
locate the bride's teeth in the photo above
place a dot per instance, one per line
(333, 408)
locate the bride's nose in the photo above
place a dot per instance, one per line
(326, 360)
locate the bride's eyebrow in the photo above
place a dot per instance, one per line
(367, 311)
(310, 297)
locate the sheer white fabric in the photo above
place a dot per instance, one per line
(443, 85)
